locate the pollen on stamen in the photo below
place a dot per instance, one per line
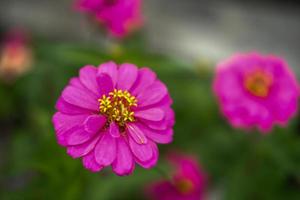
(117, 106)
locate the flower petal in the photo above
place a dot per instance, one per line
(152, 114)
(136, 133)
(143, 152)
(82, 149)
(87, 76)
(80, 98)
(170, 116)
(153, 94)
(90, 163)
(114, 130)
(146, 77)
(105, 151)
(65, 107)
(63, 122)
(94, 123)
(162, 137)
(123, 165)
(105, 84)
(111, 69)
(127, 76)
(162, 125)
(164, 103)
(74, 136)
(153, 160)
(167, 122)
(76, 83)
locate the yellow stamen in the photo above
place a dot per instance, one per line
(117, 106)
(258, 83)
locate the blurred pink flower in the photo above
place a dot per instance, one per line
(188, 181)
(256, 91)
(114, 115)
(15, 55)
(120, 17)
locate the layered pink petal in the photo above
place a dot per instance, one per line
(114, 130)
(65, 107)
(136, 133)
(170, 116)
(143, 152)
(146, 77)
(153, 160)
(105, 151)
(94, 123)
(80, 98)
(126, 76)
(161, 137)
(160, 126)
(105, 84)
(124, 163)
(89, 162)
(72, 129)
(77, 151)
(63, 122)
(283, 99)
(153, 94)
(152, 114)
(233, 81)
(87, 76)
(77, 83)
(74, 136)
(111, 69)
(163, 103)
(244, 114)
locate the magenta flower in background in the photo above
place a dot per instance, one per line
(120, 17)
(256, 91)
(114, 115)
(188, 181)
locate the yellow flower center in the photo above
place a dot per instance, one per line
(184, 186)
(258, 83)
(117, 106)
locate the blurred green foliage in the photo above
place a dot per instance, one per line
(240, 165)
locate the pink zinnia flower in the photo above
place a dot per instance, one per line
(256, 91)
(114, 116)
(188, 181)
(120, 17)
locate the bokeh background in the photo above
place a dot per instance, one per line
(182, 41)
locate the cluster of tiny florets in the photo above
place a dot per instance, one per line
(117, 106)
